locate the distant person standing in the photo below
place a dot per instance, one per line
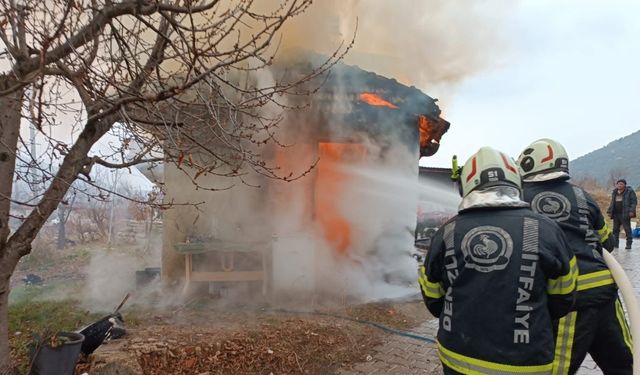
(621, 209)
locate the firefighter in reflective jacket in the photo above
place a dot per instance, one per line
(598, 324)
(496, 275)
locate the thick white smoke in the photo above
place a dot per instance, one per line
(423, 43)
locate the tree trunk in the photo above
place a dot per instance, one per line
(7, 266)
(11, 105)
(4, 322)
(9, 133)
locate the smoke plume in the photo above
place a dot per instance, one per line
(421, 43)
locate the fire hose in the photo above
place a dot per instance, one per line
(630, 301)
(382, 327)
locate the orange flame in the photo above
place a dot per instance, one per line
(425, 125)
(331, 182)
(373, 99)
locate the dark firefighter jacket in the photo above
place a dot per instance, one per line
(629, 201)
(586, 231)
(496, 278)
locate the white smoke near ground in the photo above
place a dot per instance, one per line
(110, 276)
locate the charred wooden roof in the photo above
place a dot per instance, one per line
(340, 108)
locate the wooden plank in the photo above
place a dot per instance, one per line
(220, 246)
(228, 276)
(188, 263)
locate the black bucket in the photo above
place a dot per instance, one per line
(60, 360)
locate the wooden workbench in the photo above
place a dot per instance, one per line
(227, 256)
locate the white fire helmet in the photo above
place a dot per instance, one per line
(488, 167)
(543, 156)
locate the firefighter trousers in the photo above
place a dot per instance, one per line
(602, 331)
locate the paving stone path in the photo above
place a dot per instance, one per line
(403, 355)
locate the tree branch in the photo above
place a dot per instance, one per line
(128, 164)
(97, 24)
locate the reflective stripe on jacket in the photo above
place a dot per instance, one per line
(579, 216)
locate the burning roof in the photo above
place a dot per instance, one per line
(353, 100)
(346, 105)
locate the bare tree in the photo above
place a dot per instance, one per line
(83, 228)
(165, 77)
(589, 183)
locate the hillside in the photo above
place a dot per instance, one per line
(620, 158)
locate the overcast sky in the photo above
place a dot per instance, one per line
(571, 71)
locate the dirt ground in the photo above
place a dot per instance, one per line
(281, 346)
(259, 342)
